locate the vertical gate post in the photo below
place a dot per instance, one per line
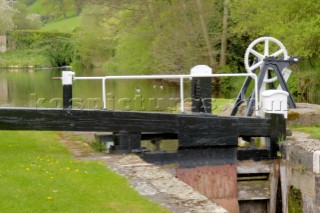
(67, 78)
(201, 89)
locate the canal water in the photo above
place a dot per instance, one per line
(36, 88)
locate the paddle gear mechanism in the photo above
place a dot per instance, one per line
(266, 51)
(265, 56)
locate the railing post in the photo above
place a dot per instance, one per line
(67, 79)
(201, 89)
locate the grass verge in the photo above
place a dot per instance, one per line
(221, 105)
(38, 174)
(23, 59)
(314, 131)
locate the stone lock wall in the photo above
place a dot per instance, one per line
(301, 185)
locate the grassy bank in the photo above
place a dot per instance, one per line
(23, 59)
(38, 174)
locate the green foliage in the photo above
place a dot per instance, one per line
(135, 39)
(58, 47)
(24, 20)
(295, 202)
(294, 22)
(6, 14)
(29, 2)
(96, 37)
(138, 61)
(38, 174)
(23, 58)
(305, 83)
(98, 146)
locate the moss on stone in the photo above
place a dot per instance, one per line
(295, 202)
(293, 115)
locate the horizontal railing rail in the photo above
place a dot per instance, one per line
(179, 77)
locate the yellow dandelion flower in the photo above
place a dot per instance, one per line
(27, 169)
(67, 168)
(49, 198)
(76, 170)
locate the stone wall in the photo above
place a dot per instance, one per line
(299, 174)
(3, 43)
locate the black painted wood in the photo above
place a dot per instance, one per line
(253, 154)
(207, 131)
(254, 127)
(201, 94)
(125, 142)
(190, 158)
(86, 120)
(67, 96)
(277, 134)
(196, 131)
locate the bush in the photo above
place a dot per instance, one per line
(57, 47)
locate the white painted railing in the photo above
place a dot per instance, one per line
(180, 77)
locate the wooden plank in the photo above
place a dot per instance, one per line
(86, 120)
(253, 154)
(254, 127)
(207, 131)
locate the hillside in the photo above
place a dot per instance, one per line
(64, 25)
(59, 24)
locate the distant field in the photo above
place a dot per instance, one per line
(59, 23)
(65, 25)
(37, 8)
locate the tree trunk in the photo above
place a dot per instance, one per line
(224, 35)
(77, 4)
(212, 60)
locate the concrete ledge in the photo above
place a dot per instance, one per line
(305, 114)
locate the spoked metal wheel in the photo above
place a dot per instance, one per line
(261, 48)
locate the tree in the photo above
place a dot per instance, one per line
(56, 8)
(294, 22)
(23, 20)
(157, 36)
(6, 14)
(213, 61)
(78, 5)
(224, 34)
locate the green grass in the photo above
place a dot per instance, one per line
(39, 8)
(36, 7)
(64, 25)
(314, 131)
(23, 58)
(220, 105)
(38, 174)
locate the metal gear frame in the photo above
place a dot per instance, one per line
(277, 61)
(252, 51)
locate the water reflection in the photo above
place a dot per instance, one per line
(35, 88)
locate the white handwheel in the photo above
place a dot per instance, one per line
(281, 51)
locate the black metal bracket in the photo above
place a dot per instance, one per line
(277, 65)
